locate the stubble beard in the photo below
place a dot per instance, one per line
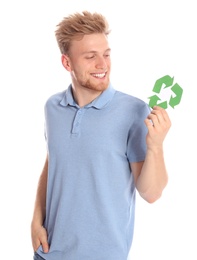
(96, 87)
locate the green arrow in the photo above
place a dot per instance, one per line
(154, 102)
(167, 80)
(176, 100)
(163, 104)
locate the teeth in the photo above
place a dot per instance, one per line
(99, 75)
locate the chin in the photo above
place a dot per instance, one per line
(101, 86)
(94, 83)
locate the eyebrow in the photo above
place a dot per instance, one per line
(87, 52)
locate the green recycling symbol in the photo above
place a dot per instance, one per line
(163, 83)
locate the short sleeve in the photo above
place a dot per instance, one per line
(136, 145)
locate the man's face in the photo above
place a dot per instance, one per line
(90, 62)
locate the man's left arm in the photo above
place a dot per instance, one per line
(151, 175)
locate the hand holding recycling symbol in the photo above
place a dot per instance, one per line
(161, 84)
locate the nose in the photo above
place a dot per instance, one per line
(101, 62)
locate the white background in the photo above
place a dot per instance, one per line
(149, 39)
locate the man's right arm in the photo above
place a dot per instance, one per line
(38, 232)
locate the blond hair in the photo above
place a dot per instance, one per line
(75, 26)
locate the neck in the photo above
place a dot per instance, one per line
(84, 96)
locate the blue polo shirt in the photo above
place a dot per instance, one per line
(91, 194)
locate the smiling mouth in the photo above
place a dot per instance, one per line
(99, 75)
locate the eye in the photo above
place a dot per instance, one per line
(90, 57)
(107, 55)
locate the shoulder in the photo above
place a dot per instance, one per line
(129, 101)
(55, 98)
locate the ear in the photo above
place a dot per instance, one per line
(66, 62)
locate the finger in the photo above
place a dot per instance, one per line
(45, 246)
(161, 113)
(36, 244)
(149, 124)
(153, 118)
(44, 241)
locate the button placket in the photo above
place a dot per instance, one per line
(77, 121)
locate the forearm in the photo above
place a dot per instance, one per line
(38, 232)
(40, 202)
(153, 176)
(39, 208)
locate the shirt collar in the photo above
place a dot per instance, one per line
(98, 103)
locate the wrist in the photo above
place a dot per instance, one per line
(155, 150)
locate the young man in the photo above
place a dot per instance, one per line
(103, 145)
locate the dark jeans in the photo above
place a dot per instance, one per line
(37, 257)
